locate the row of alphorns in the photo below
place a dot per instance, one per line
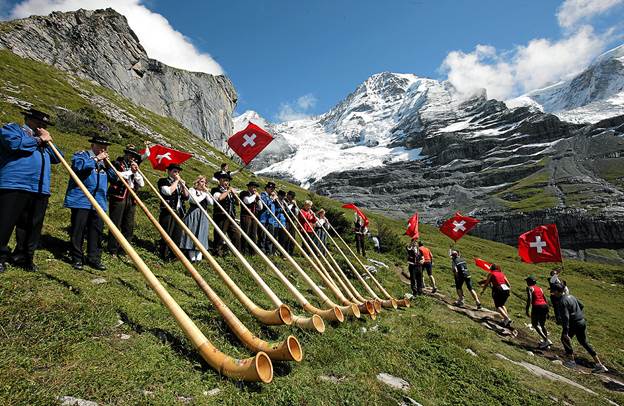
(258, 368)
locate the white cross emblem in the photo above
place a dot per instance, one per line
(166, 156)
(459, 226)
(249, 140)
(538, 244)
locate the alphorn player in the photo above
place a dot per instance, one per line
(25, 160)
(92, 168)
(293, 210)
(199, 196)
(122, 206)
(268, 221)
(251, 199)
(224, 194)
(175, 194)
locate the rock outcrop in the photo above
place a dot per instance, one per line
(100, 46)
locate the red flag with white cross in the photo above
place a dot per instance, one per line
(161, 157)
(540, 245)
(412, 227)
(457, 226)
(486, 266)
(249, 142)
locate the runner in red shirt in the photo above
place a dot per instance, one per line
(539, 313)
(428, 264)
(501, 288)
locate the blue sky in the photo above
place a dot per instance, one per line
(303, 57)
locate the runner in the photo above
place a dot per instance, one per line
(462, 275)
(428, 264)
(573, 324)
(501, 288)
(539, 311)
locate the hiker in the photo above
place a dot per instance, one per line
(224, 195)
(268, 198)
(428, 264)
(552, 281)
(121, 205)
(25, 167)
(360, 231)
(501, 288)
(462, 275)
(224, 170)
(414, 265)
(538, 306)
(251, 200)
(92, 167)
(321, 229)
(573, 324)
(196, 220)
(175, 193)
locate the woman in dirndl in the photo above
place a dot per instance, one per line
(196, 220)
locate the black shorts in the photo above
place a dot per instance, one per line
(427, 266)
(500, 296)
(460, 279)
(539, 314)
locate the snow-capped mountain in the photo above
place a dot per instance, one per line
(401, 143)
(593, 95)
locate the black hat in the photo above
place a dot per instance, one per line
(253, 184)
(98, 139)
(531, 278)
(291, 193)
(281, 193)
(270, 184)
(174, 166)
(131, 150)
(224, 176)
(38, 115)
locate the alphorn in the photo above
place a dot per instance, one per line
(332, 314)
(289, 350)
(257, 368)
(312, 323)
(375, 299)
(401, 303)
(366, 306)
(388, 303)
(281, 315)
(350, 308)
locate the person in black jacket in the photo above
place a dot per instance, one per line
(573, 324)
(223, 195)
(122, 206)
(251, 199)
(175, 193)
(414, 265)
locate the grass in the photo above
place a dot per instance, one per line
(529, 194)
(59, 332)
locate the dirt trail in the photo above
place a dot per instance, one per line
(523, 338)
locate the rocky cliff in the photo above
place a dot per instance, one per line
(100, 46)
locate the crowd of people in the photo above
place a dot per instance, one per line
(26, 156)
(568, 310)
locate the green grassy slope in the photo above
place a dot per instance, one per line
(59, 332)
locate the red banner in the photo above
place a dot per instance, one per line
(161, 157)
(249, 142)
(457, 226)
(540, 245)
(358, 211)
(412, 227)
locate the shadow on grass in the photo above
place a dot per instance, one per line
(57, 247)
(73, 289)
(167, 338)
(135, 290)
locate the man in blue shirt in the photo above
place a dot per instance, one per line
(25, 160)
(94, 171)
(268, 221)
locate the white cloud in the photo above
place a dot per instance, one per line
(160, 40)
(573, 11)
(539, 63)
(297, 110)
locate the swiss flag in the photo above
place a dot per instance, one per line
(358, 211)
(161, 157)
(486, 266)
(412, 227)
(457, 226)
(249, 142)
(540, 245)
